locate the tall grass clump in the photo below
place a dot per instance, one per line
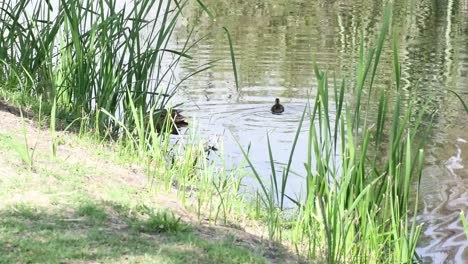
(90, 55)
(108, 66)
(102, 63)
(359, 173)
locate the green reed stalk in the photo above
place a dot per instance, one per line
(465, 106)
(88, 54)
(465, 223)
(53, 117)
(233, 58)
(26, 154)
(356, 208)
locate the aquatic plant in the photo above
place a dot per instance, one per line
(356, 206)
(91, 55)
(464, 222)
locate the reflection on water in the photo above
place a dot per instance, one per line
(275, 42)
(444, 192)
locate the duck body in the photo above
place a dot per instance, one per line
(277, 108)
(172, 118)
(178, 119)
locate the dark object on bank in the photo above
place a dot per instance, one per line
(277, 108)
(6, 107)
(172, 118)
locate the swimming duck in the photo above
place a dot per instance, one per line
(277, 108)
(177, 120)
(176, 116)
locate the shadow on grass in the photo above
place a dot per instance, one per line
(102, 233)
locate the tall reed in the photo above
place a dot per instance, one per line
(464, 222)
(87, 55)
(356, 207)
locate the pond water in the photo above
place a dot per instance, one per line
(275, 43)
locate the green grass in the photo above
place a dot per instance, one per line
(68, 211)
(21, 146)
(159, 222)
(92, 212)
(31, 236)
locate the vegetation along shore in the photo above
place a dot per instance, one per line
(100, 165)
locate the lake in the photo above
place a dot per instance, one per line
(275, 44)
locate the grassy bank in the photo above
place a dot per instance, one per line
(103, 72)
(84, 204)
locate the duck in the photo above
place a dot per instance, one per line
(277, 108)
(176, 116)
(177, 120)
